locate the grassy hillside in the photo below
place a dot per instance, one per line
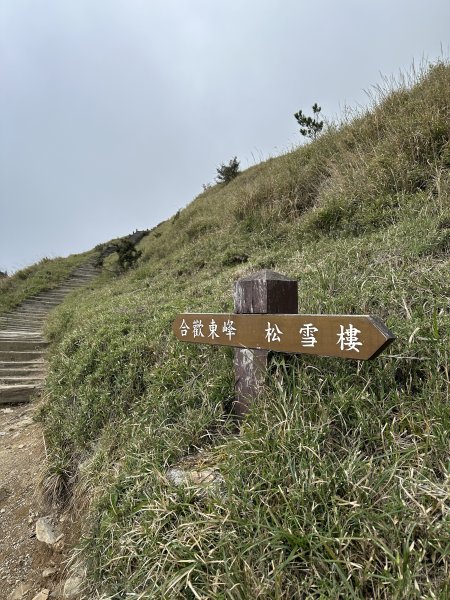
(44, 275)
(339, 484)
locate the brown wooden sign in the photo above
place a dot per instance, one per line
(359, 337)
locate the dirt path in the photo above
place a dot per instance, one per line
(34, 539)
(23, 559)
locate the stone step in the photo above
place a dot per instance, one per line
(22, 345)
(27, 323)
(25, 313)
(13, 333)
(38, 312)
(41, 300)
(20, 356)
(21, 379)
(21, 329)
(25, 364)
(36, 327)
(29, 372)
(72, 285)
(51, 295)
(44, 304)
(24, 339)
(15, 394)
(26, 332)
(19, 318)
(31, 316)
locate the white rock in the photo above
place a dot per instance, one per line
(195, 477)
(73, 587)
(20, 592)
(43, 595)
(45, 531)
(48, 572)
(177, 476)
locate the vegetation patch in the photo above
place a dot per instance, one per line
(44, 275)
(338, 485)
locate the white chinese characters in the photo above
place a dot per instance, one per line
(213, 330)
(184, 328)
(229, 329)
(348, 338)
(273, 333)
(197, 328)
(311, 334)
(308, 337)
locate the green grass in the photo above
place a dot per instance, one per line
(338, 485)
(44, 275)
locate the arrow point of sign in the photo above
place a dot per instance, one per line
(385, 333)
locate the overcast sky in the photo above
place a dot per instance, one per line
(113, 113)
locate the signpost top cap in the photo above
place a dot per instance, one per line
(266, 275)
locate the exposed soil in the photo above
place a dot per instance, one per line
(23, 559)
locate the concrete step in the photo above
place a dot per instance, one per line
(21, 325)
(24, 319)
(71, 285)
(25, 364)
(22, 380)
(15, 394)
(32, 341)
(46, 304)
(38, 373)
(30, 315)
(13, 333)
(21, 329)
(21, 345)
(20, 356)
(29, 332)
(29, 310)
(26, 312)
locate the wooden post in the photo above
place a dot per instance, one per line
(264, 292)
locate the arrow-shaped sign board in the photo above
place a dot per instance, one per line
(359, 337)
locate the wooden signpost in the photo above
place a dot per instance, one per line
(265, 320)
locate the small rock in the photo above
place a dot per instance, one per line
(20, 446)
(202, 477)
(73, 587)
(43, 595)
(3, 510)
(49, 572)
(177, 476)
(20, 592)
(45, 531)
(59, 546)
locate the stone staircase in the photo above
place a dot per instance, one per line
(22, 342)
